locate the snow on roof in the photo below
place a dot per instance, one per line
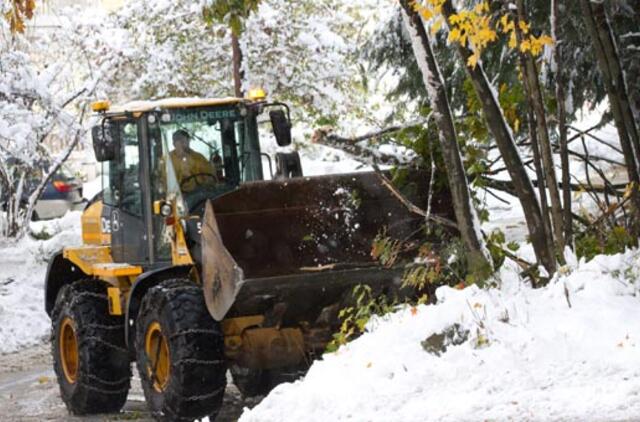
(142, 106)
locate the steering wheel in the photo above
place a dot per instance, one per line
(184, 181)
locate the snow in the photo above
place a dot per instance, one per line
(92, 188)
(529, 356)
(23, 321)
(564, 352)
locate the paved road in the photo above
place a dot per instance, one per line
(29, 392)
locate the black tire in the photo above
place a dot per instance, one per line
(260, 382)
(192, 383)
(98, 380)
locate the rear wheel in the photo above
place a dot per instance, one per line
(89, 355)
(180, 353)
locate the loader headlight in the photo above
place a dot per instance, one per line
(165, 209)
(162, 208)
(256, 94)
(100, 106)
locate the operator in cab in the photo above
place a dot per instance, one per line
(192, 168)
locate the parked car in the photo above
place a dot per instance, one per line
(63, 193)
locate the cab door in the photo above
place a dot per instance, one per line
(123, 198)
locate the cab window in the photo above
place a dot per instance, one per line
(121, 181)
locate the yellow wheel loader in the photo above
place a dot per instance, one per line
(224, 258)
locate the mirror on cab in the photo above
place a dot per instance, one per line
(281, 127)
(104, 141)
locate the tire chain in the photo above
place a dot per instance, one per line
(106, 327)
(103, 390)
(198, 362)
(100, 380)
(192, 331)
(201, 396)
(106, 343)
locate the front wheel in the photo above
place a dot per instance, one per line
(90, 359)
(180, 353)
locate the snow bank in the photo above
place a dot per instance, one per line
(23, 321)
(528, 356)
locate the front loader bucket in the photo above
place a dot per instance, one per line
(220, 272)
(301, 233)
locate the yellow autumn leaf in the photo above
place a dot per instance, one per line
(473, 60)
(486, 35)
(504, 21)
(628, 190)
(425, 13)
(513, 41)
(545, 40)
(481, 7)
(436, 26)
(454, 34)
(453, 19)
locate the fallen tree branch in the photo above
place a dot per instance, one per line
(410, 205)
(587, 133)
(360, 153)
(507, 185)
(609, 212)
(504, 201)
(325, 136)
(380, 133)
(525, 265)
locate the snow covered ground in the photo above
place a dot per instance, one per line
(23, 321)
(568, 351)
(528, 356)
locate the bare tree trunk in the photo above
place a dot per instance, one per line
(537, 163)
(480, 264)
(506, 144)
(530, 71)
(535, 149)
(562, 124)
(7, 186)
(33, 198)
(238, 75)
(18, 201)
(606, 53)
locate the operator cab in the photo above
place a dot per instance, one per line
(178, 151)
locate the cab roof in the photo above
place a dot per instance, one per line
(169, 103)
